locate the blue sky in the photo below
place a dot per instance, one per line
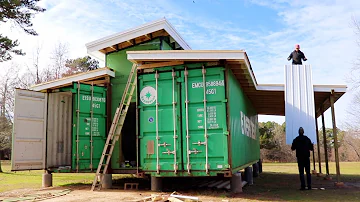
(266, 30)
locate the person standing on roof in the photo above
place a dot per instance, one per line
(302, 144)
(297, 55)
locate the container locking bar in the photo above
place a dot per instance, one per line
(186, 73)
(168, 152)
(77, 126)
(157, 123)
(91, 126)
(164, 144)
(174, 118)
(199, 143)
(194, 151)
(205, 123)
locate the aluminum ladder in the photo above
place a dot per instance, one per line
(115, 129)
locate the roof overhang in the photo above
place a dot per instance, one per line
(140, 34)
(268, 99)
(97, 77)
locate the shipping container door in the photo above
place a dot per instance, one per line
(29, 135)
(204, 145)
(160, 140)
(89, 126)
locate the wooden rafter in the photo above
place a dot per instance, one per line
(160, 64)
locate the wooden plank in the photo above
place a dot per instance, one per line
(336, 147)
(160, 64)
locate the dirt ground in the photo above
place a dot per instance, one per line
(83, 193)
(257, 192)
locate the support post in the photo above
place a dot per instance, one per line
(255, 168)
(325, 144)
(106, 181)
(156, 183)
(47, 179)
(313, 154)
(236, 183)
(249, 175)
(332, 100)
(318, 144)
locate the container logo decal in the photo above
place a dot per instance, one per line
(248, 126)
(148, 95)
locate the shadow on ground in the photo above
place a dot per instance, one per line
(269, 186)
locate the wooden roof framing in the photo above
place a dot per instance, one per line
(97, 77)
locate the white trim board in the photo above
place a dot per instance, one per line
(72, 78)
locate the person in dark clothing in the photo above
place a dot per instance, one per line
(297, 55)
(303, 146)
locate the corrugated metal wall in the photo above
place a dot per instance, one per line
(299, 102)
(59, 129)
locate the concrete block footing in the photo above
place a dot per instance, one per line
(47, 180)
(236, 183)
(156, 183)
(106, 181)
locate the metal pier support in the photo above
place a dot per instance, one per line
(236, 183)
(156, 183)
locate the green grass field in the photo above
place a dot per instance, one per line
(278, 182)
(32, 179)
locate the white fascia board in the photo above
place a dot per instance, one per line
(135, 56)
(176, 36)
(94, 46)
(271, 87)
(317, 88)
(70, 79)
(328, 88)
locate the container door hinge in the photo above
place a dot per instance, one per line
(226, 133)
(224, 101)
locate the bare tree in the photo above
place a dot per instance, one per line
(36, 62)
(355, 71)
(59, 57)
(7, 90)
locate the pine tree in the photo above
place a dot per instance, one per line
(19, 12)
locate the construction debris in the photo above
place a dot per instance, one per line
(169, 198)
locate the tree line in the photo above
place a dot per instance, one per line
(274, 148)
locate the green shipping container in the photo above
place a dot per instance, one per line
(89, 126)
(191, 130)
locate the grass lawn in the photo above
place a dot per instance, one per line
(33, 179)
(278, 182)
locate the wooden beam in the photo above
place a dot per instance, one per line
(97, 82)
(147, 36)
(336, 147)
(160, 64)
(318, 144)
(325, 144)
(130, 42)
